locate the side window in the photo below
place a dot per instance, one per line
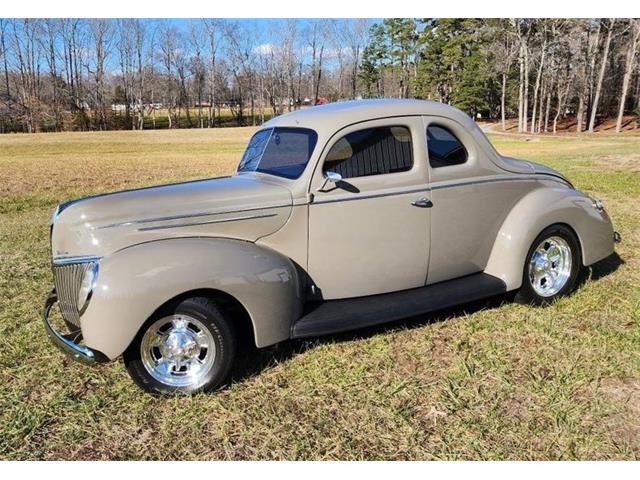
(372, 151)
(444, 147)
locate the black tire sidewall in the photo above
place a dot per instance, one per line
(527, 294)
(214, 320)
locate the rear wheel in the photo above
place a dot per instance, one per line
(185, 348)
(552, 266)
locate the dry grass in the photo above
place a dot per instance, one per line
(489, 381)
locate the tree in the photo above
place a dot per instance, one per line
(603, 67)
(374, 57)
(168, 48)
(67, 73)
(402, 42)
(504, 49)
(102, 36)
(316, 33)
(632, 50)
(240, 49)
(213, 30)
(3, 50)
(198, 68)
(536, 88)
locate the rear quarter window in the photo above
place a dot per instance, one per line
(444, 147)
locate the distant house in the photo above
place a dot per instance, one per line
(122, 107)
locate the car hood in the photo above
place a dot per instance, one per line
(526, 166)
(245, 207)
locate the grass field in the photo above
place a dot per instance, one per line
(493, 380)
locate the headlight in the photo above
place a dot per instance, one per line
(54, 215)
(86, 286)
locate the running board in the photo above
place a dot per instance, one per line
(335, 316)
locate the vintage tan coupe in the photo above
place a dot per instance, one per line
(338, 217)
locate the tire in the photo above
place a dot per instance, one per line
(551, 268)
(184, 348)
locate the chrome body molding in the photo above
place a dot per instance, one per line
(193, 224)
(352, 197)
(60, 260)
(189, 215)
(497, 178)
(64, 205)
(445, 184)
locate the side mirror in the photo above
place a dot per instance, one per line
(332, 177)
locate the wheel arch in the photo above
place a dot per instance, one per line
(534, 213)
(227, 303)
(258, 283)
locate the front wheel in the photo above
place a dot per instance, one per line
(552, 266)
(185, 348)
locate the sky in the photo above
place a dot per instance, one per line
(264, 33)
(262, 30)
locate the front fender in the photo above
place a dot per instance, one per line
(135, 281)
(535, 212)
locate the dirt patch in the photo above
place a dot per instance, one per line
(629, 163)
(624, 425)
(565, 125)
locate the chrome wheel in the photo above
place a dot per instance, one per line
(178, 351)
(550, 266)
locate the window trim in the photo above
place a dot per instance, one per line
(444, 127)
(394, 125)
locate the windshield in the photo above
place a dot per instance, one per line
(280, 151)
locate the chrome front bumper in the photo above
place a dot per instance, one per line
(68, 343)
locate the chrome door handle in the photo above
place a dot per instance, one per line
(422, 202)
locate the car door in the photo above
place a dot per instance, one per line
(471, 198)
(369, 233)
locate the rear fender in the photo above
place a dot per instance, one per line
(134, 282)
(536, 211)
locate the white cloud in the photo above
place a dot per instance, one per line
(263, 49)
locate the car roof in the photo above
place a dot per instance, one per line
(334, 116)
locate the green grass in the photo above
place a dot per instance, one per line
(490, 381)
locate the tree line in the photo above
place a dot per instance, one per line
(101, 74)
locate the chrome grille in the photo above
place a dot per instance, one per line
(67, 279)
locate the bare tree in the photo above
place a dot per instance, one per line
(632, 50)
(317, 34)
(352, 35)
(168, 48)
(197, 67)
(603, 67)
(28, 55)
(102, 36)
(522, 29)
(213, 29)
(140, 38)
(536, 88)
(51, 33)
(504, 52)
(240, 50)
(3, 46)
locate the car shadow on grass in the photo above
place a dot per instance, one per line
(254, 360)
